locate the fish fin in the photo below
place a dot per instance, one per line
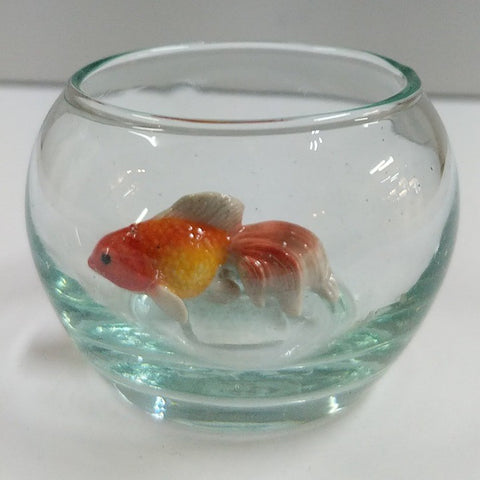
(252, 275)
(319, 276)
(288, 285)
(278, 276)
(291, 302)
(327, 287)
(219, 210)
(282, 259)
(170, 303)
(223, 288)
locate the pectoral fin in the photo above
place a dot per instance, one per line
(223, 288)
(170, 303)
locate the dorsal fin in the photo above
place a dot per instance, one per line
(216, 209)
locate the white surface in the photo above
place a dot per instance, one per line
(59, 419)
(48, 40)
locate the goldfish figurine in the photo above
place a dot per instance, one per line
(178, 253)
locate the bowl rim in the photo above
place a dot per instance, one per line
(110, 113)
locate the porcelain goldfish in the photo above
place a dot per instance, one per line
(178, 253)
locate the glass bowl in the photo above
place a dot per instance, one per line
(242, 235)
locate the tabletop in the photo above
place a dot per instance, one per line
(60, 419)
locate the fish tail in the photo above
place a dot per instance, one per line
(281, 259)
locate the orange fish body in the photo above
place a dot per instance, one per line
(177, 254)
(182, 255)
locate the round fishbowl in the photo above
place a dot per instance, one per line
(242, 235)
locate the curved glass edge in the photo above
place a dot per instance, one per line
(111, 114)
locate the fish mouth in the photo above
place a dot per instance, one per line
(91, 263)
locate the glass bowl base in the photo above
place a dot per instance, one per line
(253, 415)
(183, 380)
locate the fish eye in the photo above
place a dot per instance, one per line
(106, 258)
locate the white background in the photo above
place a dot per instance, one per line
(59, 419)
(48, 39)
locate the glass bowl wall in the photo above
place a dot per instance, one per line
(342, 143)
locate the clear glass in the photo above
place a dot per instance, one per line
(343, 145)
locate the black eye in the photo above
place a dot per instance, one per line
(106, 258)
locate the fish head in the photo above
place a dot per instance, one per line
(119, 258)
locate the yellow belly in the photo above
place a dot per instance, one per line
(187, 272)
